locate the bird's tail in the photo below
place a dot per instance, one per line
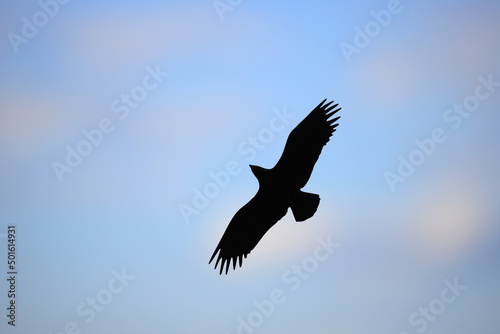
(304, 205)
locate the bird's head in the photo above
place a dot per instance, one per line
(258, 171)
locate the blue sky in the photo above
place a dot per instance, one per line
(119, 209)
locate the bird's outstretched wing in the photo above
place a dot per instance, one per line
(247, 227)
(305, 142)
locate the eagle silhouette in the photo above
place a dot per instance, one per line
(279, 188)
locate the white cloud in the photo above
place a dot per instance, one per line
(451, 220)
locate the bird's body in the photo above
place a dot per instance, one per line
(279, 188)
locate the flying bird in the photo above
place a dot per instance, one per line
(279, 188)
